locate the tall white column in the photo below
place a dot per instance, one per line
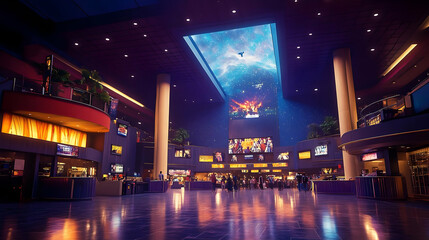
(162, 110)
(346, 103)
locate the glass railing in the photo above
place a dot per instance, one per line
(60, 90)
(382, 110)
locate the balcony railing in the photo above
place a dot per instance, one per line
(60, 90)
(382, 110)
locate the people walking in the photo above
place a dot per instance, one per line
(213, 180)
(261, 182)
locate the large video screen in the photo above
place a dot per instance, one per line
(250, 145)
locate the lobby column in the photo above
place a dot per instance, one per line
(162, 110)
(346, 103)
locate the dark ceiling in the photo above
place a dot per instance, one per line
(162, 24)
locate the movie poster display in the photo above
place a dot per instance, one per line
(250, 145)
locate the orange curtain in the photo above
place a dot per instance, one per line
(28, 127)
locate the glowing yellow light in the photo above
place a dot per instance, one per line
(399, 59)
(304, 155)
(260, 165)
(218, 166)
(206, 158)
(277, 170)
(237, 165)
(254, 171)
(121, 94)
(279, 164)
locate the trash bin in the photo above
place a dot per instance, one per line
(128, 188)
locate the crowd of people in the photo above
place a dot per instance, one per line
(232, 183)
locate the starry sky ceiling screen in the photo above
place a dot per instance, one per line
(243, 62)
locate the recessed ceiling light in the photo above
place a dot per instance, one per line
(139, 123)
(193, 101)
(296, 1)
(234, 11)
(126, 55)
(298, 47)
(135, 24)
(368, 30)
(359, 98)
(77, 125)
(375, 14)
(132, 76)
(310, 34)
(393, 82)
(29, 114)
(298, 57)
(76, 44)
(318, 14)
(372, 49)
(174, 85)
(211, 99)
(144, 35)
(296, 90)
(165, 50)
(188, 19)
(107, 39)
(49, 117)
(316, 89)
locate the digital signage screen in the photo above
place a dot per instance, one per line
(250, 145)
(304, 155)
(116, 168)
(283, 156)
(206, 158)
(116, 150)
(122, 129)
(66, 150)
(219, 156)
(321, 150)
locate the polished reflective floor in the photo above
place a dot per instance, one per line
(247, 214)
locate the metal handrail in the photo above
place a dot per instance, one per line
(381, 109)
(381, 100)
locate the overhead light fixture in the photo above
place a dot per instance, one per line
(165, 50)
(318, 14)
(107, 39)
(310, 34)
(296, 1)
(174, 85)
(372, 49)
(144, 35)
(135, 24)
(211, 99)
(132, 76)
(139, 123)
(298, 47)
(296, 90)
(298, 57)
(121, 94)
(316, 89)
(29, 114)
(234, 11)
(126, 55)
(49, 117)
(188, 19)
(76, 44)
(368, 30)
(359, 98)
(399, 59)
(375, 14)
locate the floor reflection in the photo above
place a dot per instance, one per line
(246, 214)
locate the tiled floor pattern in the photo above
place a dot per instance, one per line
(247, 214)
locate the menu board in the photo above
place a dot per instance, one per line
(66, 150)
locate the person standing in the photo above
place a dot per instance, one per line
(299, 181)
(213, 180)
(234, 178)
(223, 182)
(229, 183)
(161, 176)
(261, 182)
(304, 182)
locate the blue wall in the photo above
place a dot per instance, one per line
(207, 123)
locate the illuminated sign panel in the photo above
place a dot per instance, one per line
(369, 156)
(304, 155)
(237, 165)
(279, 164)
(244, 171)
(277, 170)
(321, 150)
(206, 158)
(283, 156)
(254, 171)
(265, 170)
(260, 165)
(218, 166)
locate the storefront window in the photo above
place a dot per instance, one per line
(72, 167)
(45, 165)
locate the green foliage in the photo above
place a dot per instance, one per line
(330, 126)
(181, 135)
(314, 131)
(92, 80)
